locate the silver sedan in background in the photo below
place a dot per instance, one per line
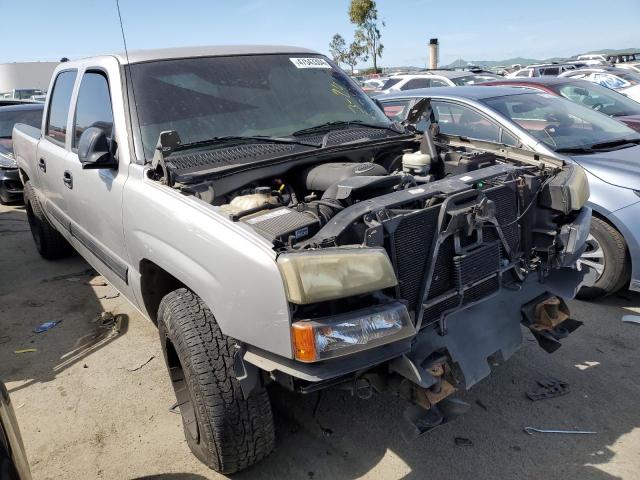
(608, 150)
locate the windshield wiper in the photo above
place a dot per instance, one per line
(601, 147)
(615, 143)
(243, 138)
(342, 123)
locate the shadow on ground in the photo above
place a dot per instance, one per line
(34, 291)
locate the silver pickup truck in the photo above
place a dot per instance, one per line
(257, 206)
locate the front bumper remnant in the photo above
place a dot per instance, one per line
(548, 318)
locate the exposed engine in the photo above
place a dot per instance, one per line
(458, 224)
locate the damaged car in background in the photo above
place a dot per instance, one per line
(280, 229)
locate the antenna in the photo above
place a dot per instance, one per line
(130, 79)
(124, 40)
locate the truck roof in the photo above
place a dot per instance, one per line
(139, 56)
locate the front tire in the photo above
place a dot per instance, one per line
(607, 253)
(225, 431)
(49, 242)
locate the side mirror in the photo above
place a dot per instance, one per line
(95, 150)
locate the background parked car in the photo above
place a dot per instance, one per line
(634, 67)
(608, 150)
(591, 95)
(376, 83)
(541, 70)
(593, 58)
(619, 79)
(435, 78)
(13, 459)
(31, 114)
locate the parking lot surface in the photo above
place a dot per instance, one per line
(93, 400)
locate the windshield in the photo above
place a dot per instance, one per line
(474, 79)
(558, 123)
(601, 99)
(249, 95)
(9, 118)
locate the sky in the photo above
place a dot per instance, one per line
(46, 30)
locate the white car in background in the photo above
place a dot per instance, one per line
(435, 78)
(621, 80)
(543, 70)
(593, 59)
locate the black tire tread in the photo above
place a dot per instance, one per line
(52, 244)
(237, 432)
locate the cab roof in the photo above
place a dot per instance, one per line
(139, 56)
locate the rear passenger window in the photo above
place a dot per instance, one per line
(93, 108)
(59, 106)
(416, 83)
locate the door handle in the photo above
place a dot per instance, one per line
(67, 178)
(42, 164)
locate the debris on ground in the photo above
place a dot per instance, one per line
(482, 405)
(109, 296)
(174, 408)
(96, 283)
(549, 388)
(4, 339)
(105, 319)
(463, 442)
(46, 326)
(25, 350)
(19, 406)
(72, 277)
(631, 319)
(530, 430)
(141, 365)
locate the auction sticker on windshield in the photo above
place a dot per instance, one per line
(312, 62)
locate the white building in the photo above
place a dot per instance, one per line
(25, 75)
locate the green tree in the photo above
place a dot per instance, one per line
(338, 48)
(347, 55)
(364, 14)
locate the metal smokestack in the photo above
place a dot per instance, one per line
(433, 53)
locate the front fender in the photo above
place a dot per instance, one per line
(231, 270)
(621, 207)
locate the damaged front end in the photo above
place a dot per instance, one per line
(462, 263)
(411, 271)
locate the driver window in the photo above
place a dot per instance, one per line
(93, 108)
(463, 121)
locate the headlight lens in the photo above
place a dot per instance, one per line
(320, 339)
(328, 274)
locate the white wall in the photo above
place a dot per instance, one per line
(25, 75)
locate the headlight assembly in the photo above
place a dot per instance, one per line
(327, 274)
(323, 338)
(568, 190)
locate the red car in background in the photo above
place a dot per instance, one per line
(588, 94)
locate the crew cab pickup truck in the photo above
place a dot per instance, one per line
(278, 228)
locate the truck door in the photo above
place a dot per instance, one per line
(95, 195)
(52, 149)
